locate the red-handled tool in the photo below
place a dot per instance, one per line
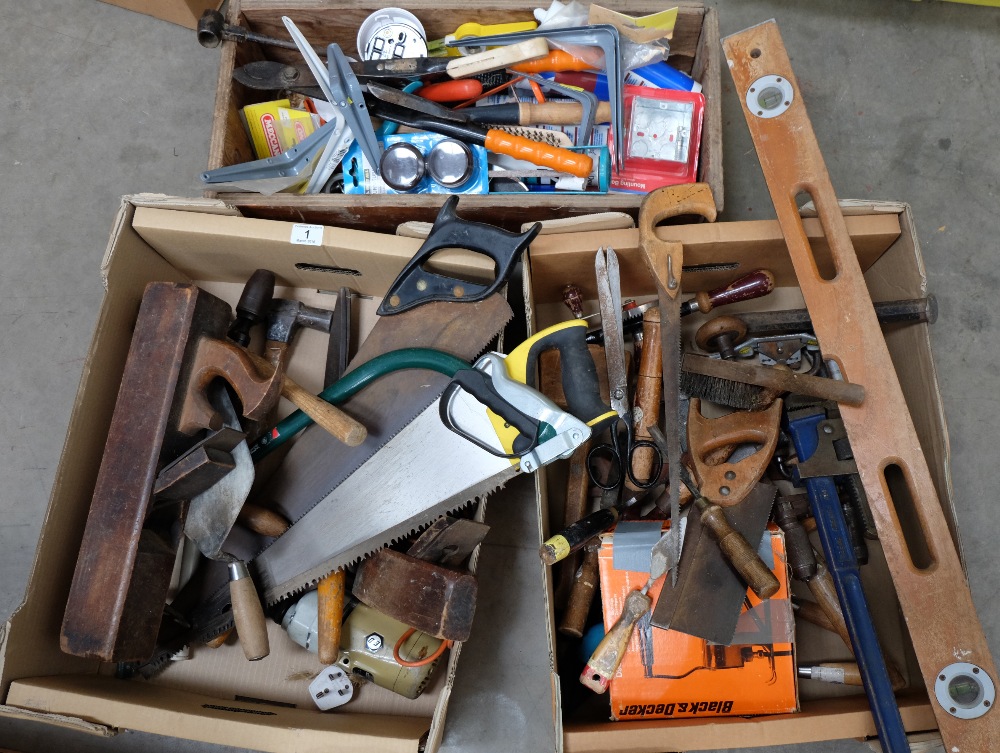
(458, 90)
(756, 284)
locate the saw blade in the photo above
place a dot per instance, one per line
(426, 470)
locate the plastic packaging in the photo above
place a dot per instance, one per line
(359, 178)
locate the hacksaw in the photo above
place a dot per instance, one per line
(947, 636)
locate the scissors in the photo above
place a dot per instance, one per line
(623, 445)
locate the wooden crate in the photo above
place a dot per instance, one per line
(694, 49)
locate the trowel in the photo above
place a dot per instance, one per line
(211, 515)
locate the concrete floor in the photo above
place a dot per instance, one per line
(100, 102)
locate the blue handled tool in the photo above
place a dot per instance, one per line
(812, 431)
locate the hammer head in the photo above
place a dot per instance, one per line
(285, 316)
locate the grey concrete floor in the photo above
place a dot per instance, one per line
(98, 102)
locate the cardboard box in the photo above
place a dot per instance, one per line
(666, 674)
(694, 49)
(218, 696)
(180, 12)
(714, 254)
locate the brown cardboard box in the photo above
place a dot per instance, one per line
(715, 254)
(180, 12)
(218, 696)
(694, 49)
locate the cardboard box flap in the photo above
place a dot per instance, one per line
(228, 248)
(708, 254)
(141, 706)
(60, 720)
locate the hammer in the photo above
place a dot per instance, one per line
(284, 317)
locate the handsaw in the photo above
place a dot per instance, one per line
(664, 259)
(946, 633)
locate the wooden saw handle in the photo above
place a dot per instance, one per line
(664, 259)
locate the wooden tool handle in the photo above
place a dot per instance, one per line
(848, 671)
(577, 497)
(825, 592)
(330, 606)
(339, 424)
(585, 582)
(738, 551)
(608, 655)
(537, 153)
(664, 258)
(560, 113)
(575, 536)
(498, 57)
(648, 392)
(556, 61)
(248, 614)
(812, 612)
(262, 521)
(756, 284)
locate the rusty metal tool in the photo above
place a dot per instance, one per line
(665, 259)
(341, 346)
(923, 560)
(908, 311)
(210, 517)
(623, 445)
(213, 30)
(607, 657)
(284, 318)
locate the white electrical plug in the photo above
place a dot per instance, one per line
(331, 688)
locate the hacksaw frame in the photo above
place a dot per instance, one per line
(920, 552)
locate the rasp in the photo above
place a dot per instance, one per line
(664, 260)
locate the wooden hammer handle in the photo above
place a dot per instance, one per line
(339, 424)
(330, 601)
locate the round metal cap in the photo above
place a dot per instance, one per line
(402, 166)
(450, 163)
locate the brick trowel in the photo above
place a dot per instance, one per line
(212, 513)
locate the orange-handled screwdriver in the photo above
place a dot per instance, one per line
(556, 61)
(416, 112)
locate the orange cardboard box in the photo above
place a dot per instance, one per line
(667, 674)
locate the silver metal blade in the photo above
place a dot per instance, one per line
(610, 295)
(670, 328)
(426, 470)
(212, 513)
